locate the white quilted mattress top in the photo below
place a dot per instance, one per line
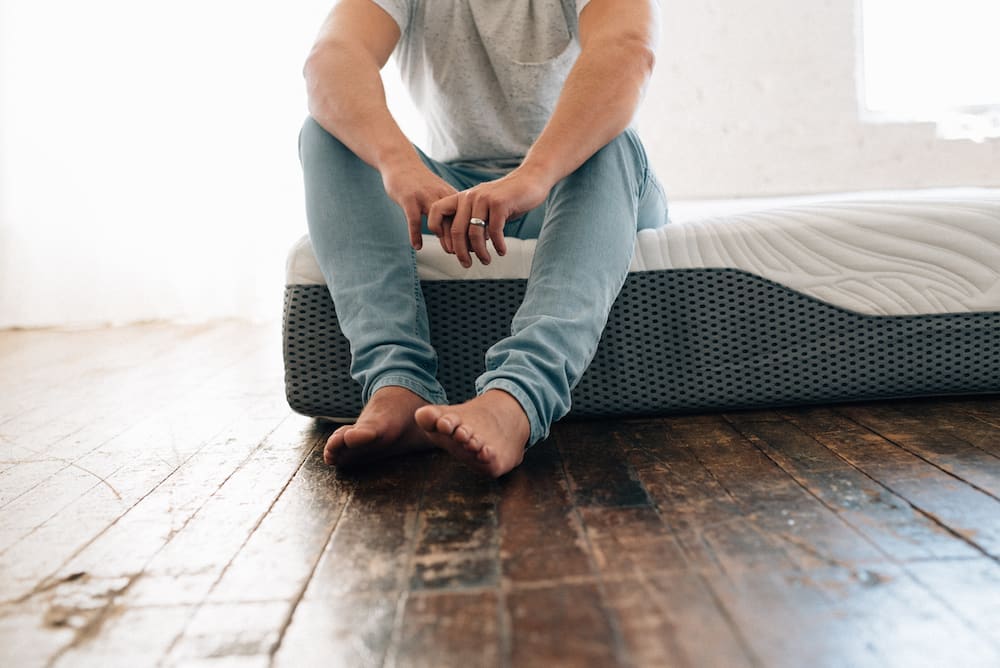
(880, 253)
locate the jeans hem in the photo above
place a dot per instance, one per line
(427, 394)
(538, 431)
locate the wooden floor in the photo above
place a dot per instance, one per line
(160, 504)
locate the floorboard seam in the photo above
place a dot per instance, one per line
(921, 457)
(305, 586)
(260, 520)
(927, 514)
(389, 658)
(620, 650)
(724, 612)
(235, 362)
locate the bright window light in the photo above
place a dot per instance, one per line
(933, 60)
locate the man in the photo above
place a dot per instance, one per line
(529, 104)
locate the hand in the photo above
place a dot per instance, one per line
(495, 202)
(414, 188)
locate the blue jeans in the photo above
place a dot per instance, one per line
(586, 231)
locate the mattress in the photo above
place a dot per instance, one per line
(732, 304)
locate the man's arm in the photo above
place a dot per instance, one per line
(347, 99)
(597, 103)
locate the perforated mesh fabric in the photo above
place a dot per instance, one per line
(678, 340)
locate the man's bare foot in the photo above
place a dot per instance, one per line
(385, 428)
(489, 432)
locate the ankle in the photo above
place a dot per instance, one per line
(396, 393)
(510, 408)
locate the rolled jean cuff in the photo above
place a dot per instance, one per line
(538, 430)
(433, 396)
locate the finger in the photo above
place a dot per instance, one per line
(498, 218)
(460, 231)
(477, 233)
(414, 222)
(438, 211)
(445, 237)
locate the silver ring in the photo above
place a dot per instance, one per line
(477, 221)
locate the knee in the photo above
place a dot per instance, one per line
(315, 143)
(627, 148)
(621, 163)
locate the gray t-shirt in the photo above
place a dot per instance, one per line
(485, 73)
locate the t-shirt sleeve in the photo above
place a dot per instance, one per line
(580, 4)
(400, 11)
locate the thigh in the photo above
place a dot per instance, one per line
(651, 210)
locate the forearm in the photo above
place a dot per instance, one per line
(597, 103)
(347, 99)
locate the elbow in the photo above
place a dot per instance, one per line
(322, 73)
(318, 55)
(632, 54)
(639, 55)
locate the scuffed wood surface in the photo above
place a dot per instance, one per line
(160, 505)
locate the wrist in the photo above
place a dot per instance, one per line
(539, 171)
(396, 157)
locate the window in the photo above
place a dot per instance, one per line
(932, 60)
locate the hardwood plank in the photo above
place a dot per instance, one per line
(350, 630)
(98, 581)
(971, 588)
(709, 524)
(184, 571)
(673, 620)
(28, 639)
(244, 633)
(774, 500)
(964, 450)
(629, 541)
(961, 509)
(985, 407)
(289, 540)
(108, 411)
(372, 545)
(102, 368)
(541, 538)
(561, 625)
(38, 378)
(886, 519)
(442, 629)
(141, 532)
(595, 465)
(123, 472)
(457, 542)
(123, 637)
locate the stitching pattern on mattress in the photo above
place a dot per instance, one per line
(924, 253)
(676, 341)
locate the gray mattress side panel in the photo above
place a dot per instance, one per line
(683, 340)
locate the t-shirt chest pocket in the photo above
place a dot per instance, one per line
(531, 47)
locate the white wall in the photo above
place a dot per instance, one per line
(148, 157)
(148, 166)
(760, 99)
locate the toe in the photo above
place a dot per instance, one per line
(334, 443)
(359, 435)
(462, 435)
(447, 424)
(427, 417)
